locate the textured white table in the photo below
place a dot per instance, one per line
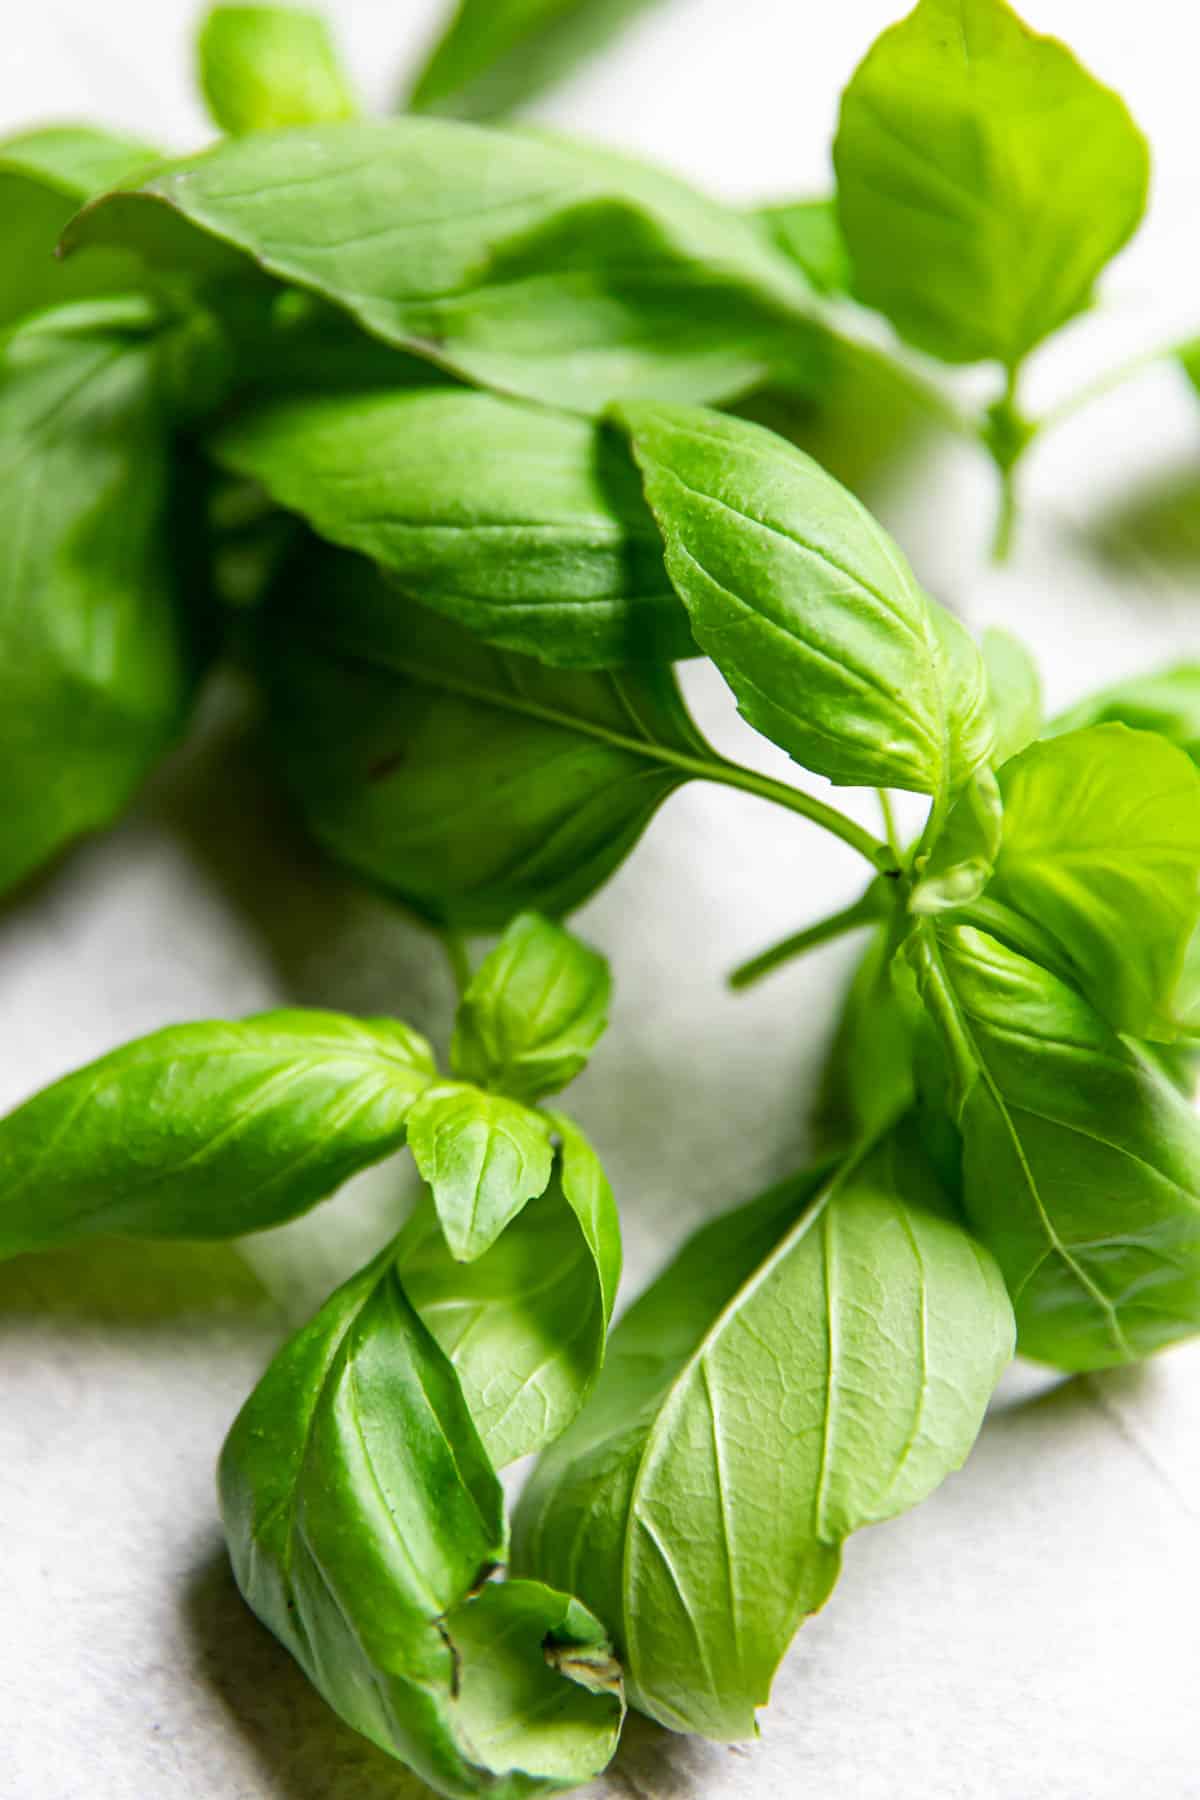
(1033, 1629)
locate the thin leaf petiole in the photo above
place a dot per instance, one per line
(868, 909)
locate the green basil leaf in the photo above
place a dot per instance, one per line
(1015, 692)
(961, 862)
(95, 664)
(867, 1080)
(540, 267)
(701, 1498)
(496, 55)
(265, 67)
(525, 1324)
(362, 1516)
(208, 1130)
(1166, 701)
(472, 782)
(527, 526)
(808, 608)
(45, 176)
(1081, 1163)
(1102, 833)
(810, 232)
(483, 1155)
(533, 1012)
(984, 180)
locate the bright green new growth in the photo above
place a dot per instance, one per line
(265, 67)
(984, 180)
(534, 1011)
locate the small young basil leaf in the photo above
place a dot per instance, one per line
(527, 526)
(701, 1498)
(472, 782)
(961, 863)
(525, 1324)
(1081, 1163)
(45, 176)
(264, 67)
(810, 232)
(483, 1155)
(867, 1080)
(534, 1011)
(1015, 692)
(984, 180)
(96, 670)
(1166, 701)
(363, 1516)
(1101, 849)
(543, 268)
(808, 608)
(208, 1130)
(497, 55)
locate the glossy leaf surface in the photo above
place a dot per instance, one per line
(808, 608)
(525, 1324)
(528, 264)
(533, 1012)
(1081, 1163)
(363, 1515)
(208, 1130)
(473, 782)
(984, 180)
(1101, 849)
(810, 1364)
(1015, 692)
(527, 526)
(483, 1156)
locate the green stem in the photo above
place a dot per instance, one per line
(868, 909)
(455, 947)
(1104, 384)
(1006, 517)
(889, 825)
(749, 781)
(1007, 435)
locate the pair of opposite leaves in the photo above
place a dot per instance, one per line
(358, 1484)
(1074, 1157)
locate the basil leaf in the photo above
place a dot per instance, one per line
(496, 55)
(472, 782)
(962, 860)
(1166, 701)
(701, 1498)
(808, 608)
(264, 67)
(45, 176)
(533, 1012)
(867, 1080)
(483, 1155)
(362, 1515)
(208, 1130)
(1101, 829)
(540, 267)
(95, 663)
(1081, 1162)
(527, 526)
(525, 1323)
(1015, 692)
(810, 232)
(984, 180)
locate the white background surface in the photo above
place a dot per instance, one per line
(1034, 1629)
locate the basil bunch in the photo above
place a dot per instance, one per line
(447, 400)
